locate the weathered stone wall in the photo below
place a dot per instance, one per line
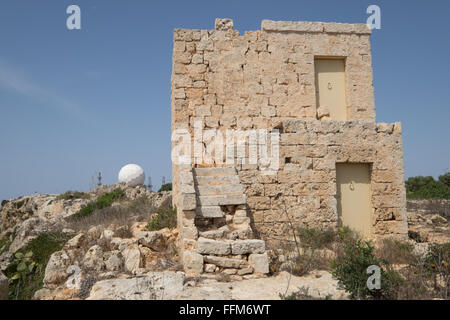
(307, 184)
(264, 80)
(262, 77)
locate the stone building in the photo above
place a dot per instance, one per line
(302, 93)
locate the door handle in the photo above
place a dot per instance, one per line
(351, 186)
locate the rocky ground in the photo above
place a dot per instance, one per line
(112, 255)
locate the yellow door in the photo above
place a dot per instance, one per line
(330, 87)
(353, 196)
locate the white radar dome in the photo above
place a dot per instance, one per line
(132, 174)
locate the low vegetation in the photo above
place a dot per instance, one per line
(394, 251)
(4, 244)
(301, 294)
(72, 195)
(351, 265)
(165, 217)
(101, 202)
(27, 268)
(428, 188)
(437, 264)
(404, 273)
(123, 215)
(166, 187)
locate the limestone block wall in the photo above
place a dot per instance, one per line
(306, 185)
(265, 79)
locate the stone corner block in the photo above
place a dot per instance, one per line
(187, 178)
(188, 201)
(259, 262)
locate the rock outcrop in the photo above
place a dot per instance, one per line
(150, 286)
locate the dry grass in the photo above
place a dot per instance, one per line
(396, 252)
(312, 251)
(122, 216)
(417, 277)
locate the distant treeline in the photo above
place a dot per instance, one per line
(428, 188)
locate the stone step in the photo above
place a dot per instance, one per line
(210, 212)
(221, 200)
(225, 262)
(220, 190)
(226, 247)
(216, 180)
(216, 171)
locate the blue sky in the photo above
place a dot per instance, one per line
(95, 99)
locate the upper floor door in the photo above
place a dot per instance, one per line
(330, 87)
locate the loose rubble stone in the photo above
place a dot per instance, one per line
(132, 258)
(93, 258)
(55, 271)
(113, 260)
(121, 244)
(154, 240)
(76, 242)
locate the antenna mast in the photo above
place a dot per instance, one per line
(99, 179)
(149, 186)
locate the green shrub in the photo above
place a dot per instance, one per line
(166, 187)
(4, 244)
(24, 266)
(41, 248)
(70, 195)
(4, 202)
(350, 269)
(437, 263)
(101, 202)
(304, 254)
(428, 188)
(19, 204)
(445, 179)
(164, 218)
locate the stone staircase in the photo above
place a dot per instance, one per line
(225, 238)
(216, 187)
